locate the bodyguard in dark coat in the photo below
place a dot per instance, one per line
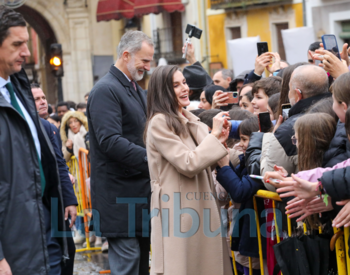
(29, 181)
(120, 183)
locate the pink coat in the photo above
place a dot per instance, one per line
(314, 174)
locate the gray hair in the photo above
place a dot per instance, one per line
(310, 79)
(131, 41)
(226, 73)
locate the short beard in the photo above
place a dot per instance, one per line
(133, 71)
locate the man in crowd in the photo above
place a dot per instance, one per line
(40, 100)
(86, 97)
(308, 84)
(30, 187)
(62, 108)
(223, 78)
(120, 180)
(81, 107)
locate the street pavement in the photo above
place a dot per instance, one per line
(90, 263)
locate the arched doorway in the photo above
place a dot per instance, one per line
(47, 37)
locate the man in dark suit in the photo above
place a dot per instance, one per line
(31, 202)
(120, 183)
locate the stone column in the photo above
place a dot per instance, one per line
(78, 77)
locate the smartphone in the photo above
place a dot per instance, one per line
(330, 44)
(265, 124)
(232, 98)
(285, 110)
(262, 47)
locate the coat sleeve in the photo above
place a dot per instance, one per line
(337, 183)
(67, 187)
(251, 78)
(105, 113)
(314, 174)
(253, 153)
(66, 154)
(186, 161)
(240, 189)
(274, 154)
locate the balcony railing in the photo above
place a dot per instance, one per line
(229, 4)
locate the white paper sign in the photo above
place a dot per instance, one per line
(243, 52)
(296, 43)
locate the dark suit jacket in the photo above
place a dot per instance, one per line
(119, 168)
(67, 188)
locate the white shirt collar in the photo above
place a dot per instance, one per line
(3, 82)
(124, 74)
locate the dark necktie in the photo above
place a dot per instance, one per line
(134, 84)
(15, 105)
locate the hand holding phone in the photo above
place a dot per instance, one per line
(330, 44)
(232, 98)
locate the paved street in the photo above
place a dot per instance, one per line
(90, 263)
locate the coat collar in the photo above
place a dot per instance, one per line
(302, 105)
(187, 116)
(140, 98)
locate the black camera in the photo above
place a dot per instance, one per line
(193, 31)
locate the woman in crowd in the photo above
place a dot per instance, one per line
(180, 153)
(206, 98)
(245, 102)
(73, 130)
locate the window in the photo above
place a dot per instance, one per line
(235, 32)
(279, 28)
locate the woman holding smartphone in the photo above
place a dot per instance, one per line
(186, 227)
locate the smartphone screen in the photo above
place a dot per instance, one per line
(262, 48)
(285, 110)
(264, 122)
(330, 44)
(232, 98)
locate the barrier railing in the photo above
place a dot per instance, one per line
(341, 246)
(81, 171)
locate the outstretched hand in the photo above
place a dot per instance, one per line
(298, 187)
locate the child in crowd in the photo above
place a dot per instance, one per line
(263, 90)
(242, 188)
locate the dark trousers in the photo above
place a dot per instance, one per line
(53, 246)
(129, 256)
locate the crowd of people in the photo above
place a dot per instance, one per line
(172, 166)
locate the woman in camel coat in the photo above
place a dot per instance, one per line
(186, 228)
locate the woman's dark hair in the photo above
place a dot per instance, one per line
(195, 95)
(9, 18)
(273, 104)
(239, 114)
(323, 106)
(210, 90)
(249, 95)
(161, 99)
(341, 89)
(72, 105)
(270, 85)
(246, 85)
(287, 73)
(347, 122)
(55, 118)
(207, 116)
(249, 126)
(196, 112)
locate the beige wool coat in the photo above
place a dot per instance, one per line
(183, 238)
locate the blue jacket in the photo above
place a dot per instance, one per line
(242, 188)
(67, 188)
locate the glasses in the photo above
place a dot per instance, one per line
(294, 140)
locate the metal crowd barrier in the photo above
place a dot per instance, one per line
(81, 171)
(337, 242)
